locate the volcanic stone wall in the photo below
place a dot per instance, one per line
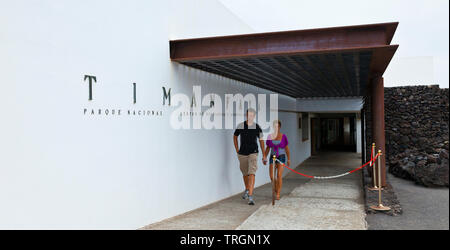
(416, 123)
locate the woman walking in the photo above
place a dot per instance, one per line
(277, 143)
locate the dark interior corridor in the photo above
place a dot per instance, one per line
(333, 132)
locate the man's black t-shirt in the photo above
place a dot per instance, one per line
(248, 139)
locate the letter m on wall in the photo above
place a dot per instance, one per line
(166, 96)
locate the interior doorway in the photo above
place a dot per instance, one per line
(335, 132)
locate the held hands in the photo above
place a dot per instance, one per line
(289, 162)
(264, 160)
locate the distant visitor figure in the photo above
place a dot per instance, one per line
(249, 132)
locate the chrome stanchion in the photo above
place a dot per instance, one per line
(380, 206)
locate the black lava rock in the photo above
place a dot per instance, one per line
(416, 123)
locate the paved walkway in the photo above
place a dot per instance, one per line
(304, 204)
(333, 204)
(423, 208)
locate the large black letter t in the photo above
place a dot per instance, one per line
(91, 78)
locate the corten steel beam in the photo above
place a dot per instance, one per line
(284, 42)
(328, 62)
(378, 129)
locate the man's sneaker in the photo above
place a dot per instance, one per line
(245, 195)
(250, 200)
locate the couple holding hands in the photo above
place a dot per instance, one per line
(277, 145)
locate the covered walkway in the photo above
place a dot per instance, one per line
(304, 204)
(334, 62)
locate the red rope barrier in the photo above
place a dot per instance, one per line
(349, 172)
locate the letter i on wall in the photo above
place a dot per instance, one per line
(134, 93)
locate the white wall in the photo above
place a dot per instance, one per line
(63, 169)
(358, 134)
(330, 105)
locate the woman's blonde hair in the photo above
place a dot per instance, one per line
(277, 121)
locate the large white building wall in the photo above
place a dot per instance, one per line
(63, 169)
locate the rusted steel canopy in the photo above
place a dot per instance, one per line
(328, 62)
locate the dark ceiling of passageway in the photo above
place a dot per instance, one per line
(331, 74)
(329, 62)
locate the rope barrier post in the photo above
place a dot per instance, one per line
(374, 173)
(274, 159)
(380, 206)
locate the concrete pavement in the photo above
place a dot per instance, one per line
(304, 204)
(334, 204)
(226, 214)
(423, 208)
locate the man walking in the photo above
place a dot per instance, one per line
(247, 153)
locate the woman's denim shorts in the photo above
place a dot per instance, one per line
(281, 158)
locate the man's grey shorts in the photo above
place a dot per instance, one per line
(248, 163)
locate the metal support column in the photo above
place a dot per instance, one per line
(378, 129)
